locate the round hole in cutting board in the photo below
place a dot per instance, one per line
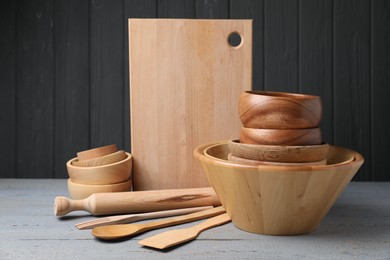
(234, 39)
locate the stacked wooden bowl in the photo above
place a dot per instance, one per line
(103, 169)
(279, 129)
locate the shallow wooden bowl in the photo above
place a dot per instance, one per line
(96, 152)
(103, 160)
(278, 200)
(278, 153)
(235, 159)
(105, 174)
(309, 136)
(279, 110)
(82, 191)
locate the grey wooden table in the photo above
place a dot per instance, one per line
(357, 227)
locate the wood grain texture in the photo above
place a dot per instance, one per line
(281, 45)
(253, 9)
(125, 230)
(107, 73)
(279, 200)
(7, 89)
(71, 81)
(35, 89)
(380, 82)
(352, 79)
(315, 57)
(178, 236)
(137, 201)
(132, 9)
(184, 80)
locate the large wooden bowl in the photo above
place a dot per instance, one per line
(278, 200)
(278, 110)
(309, 136)
(278, 153)
(97, 175)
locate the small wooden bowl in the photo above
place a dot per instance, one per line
(103, 160)
(97, 175)
(309, 136)
(82, 191)
(279, 110)
(232, 158)
(278, 153)
(277, 200)
(96, 152)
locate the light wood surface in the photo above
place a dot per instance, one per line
(278, 153)
(279, 200)
(129, 218)
(309, 136)
(124, 230)
(81, 191)
(105, 174)
(175, 237)
(185, 82)
(279, 110)
(102, 160)
(97, 152)
(137, 201)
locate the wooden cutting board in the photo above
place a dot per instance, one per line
(185, 80)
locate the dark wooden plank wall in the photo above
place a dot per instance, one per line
(64, 72)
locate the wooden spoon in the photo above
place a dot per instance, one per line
(123, 230)
(175, 237)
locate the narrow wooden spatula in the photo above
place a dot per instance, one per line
(123, 230)
(175, 237)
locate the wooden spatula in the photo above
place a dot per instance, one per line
(175, 237)
(129, 218)
(123, 230)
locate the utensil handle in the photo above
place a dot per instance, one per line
(182, 219)
(212, 222)
(161, 214)
(138, 201)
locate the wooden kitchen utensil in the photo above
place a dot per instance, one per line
(81, 191)
(279, 200)
(277, 153)
(124, 230)
(185, 79)
(96, 152)
(124, 219)
(174, 237)
(137, 201)
(105, 174)
(102, 160)
(279, 110)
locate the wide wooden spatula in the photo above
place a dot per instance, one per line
(175, 237)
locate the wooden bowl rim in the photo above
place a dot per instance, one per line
(281, 95)
(69, 163)
(119, 152)
(275, 148)
(98, 185)
(200, 150)
(91, 153)
(322, 162)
